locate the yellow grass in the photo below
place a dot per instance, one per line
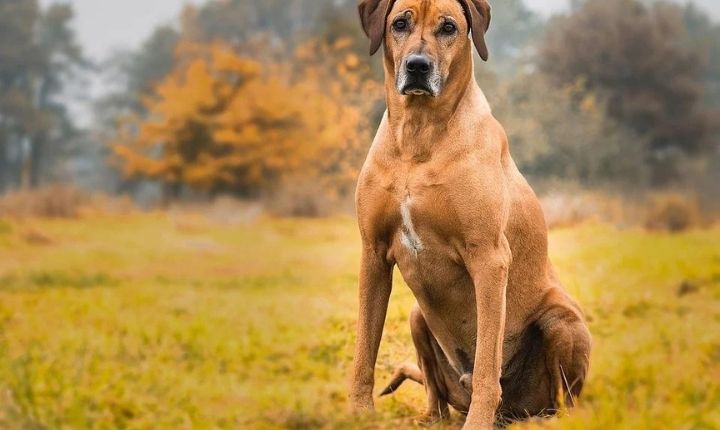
(159, 322)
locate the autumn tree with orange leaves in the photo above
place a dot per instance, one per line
(222, 122)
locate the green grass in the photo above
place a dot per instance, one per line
(158, 322)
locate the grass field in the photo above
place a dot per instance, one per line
(177, 322)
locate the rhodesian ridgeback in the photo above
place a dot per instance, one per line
(439, 196)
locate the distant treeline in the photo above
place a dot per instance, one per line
(248, 97)
(38, 58)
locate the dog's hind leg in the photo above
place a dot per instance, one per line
(441, 380)
(568, 342)
(548, 371)
(429, 360)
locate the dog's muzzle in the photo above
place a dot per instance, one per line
(418, 77)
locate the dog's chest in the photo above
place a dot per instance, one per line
(419, 208)
(424, 224)
(426, 251)
(409, 237)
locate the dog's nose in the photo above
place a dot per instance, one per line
(418, 64)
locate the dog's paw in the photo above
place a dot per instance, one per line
(429, 419)
(362, 404)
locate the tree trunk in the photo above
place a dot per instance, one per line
(3, 165)
(171, 193)
(25, 164)
(37, 152)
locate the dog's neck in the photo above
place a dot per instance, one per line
(417, 123)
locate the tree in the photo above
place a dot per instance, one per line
(269, 33)
(221, 122)
(138, 72)
(19, 60)
(37, 55)
(512, 30)
(637, 57)
(704, 37)
(62, 59)
(239, 21)
(564, 133)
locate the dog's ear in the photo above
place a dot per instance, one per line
(373, 14)
(478, 16)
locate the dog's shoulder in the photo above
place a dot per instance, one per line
(484, 137)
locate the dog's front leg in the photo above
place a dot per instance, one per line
(375, 286)
(488, 267)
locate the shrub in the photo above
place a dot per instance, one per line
(56, 201)
(301, 199)
(569, 208)
(672, 212)
(62, 201)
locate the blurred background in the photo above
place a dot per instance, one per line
(177, 247)
(277, 101)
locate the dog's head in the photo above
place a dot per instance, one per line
(424, 39)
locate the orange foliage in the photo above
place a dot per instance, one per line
(224, 122)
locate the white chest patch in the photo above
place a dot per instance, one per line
(409, 237)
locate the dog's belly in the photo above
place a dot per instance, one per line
(445, 293)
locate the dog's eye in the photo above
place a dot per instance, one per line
(400, 24)
(448, 28)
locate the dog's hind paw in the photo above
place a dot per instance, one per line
(430, 419)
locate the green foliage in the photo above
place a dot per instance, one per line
(254, 329)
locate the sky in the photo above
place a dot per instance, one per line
(105, 25)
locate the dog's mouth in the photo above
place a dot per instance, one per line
(417, 90)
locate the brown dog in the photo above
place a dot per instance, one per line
(440, 197)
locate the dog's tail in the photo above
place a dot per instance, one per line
(404, 371)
